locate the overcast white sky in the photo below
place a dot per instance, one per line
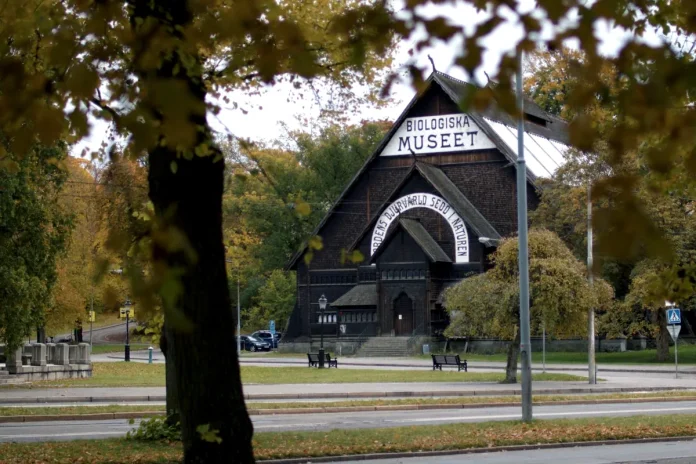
(266, 112)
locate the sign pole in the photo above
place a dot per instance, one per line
(674, 326)
(543, 343)
(239, 320)
(676, 356)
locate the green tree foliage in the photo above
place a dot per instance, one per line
(274, 198)
(33, 232)
(559, 295)
(638, 273)
(274, 302)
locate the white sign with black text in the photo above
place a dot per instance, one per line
(429, 201)
(437, 134)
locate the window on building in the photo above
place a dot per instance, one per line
(326, 318)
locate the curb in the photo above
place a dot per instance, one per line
(454, 452)
(246, 360)
(353, 395)
(340, 409)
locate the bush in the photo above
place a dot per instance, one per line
(155, 429)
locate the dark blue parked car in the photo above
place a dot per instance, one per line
(250, 343)
(266, 336)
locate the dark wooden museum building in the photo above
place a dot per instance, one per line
(425, 210)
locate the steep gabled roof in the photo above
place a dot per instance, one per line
(360, 295)
(459, 202)
(424, 240)
(457, 90)
(442, 184)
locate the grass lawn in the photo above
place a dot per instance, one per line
(122, 374)
(687, 355)
(279, 445)
(456, 401)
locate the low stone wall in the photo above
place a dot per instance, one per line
(52, 361)
(340, 347)
(479, 346)
(53, 372)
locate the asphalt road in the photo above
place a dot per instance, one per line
(110, 334)
(70, 430)
(654, 453)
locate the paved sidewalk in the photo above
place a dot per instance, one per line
(415, 363)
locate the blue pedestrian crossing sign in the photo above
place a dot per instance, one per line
(271, 327)
(674, 316)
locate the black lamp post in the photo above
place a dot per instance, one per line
(127, 307)
(322, 307)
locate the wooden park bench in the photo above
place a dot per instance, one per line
(440, 360)
(313, 359)
(331, 362)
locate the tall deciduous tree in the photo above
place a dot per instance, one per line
(488, 304)
(33, 231)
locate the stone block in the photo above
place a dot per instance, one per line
(50, 353)
(27, 353)
(38, 356)
(14, 361)
(62, 354)
(83, 353)
(72, 356)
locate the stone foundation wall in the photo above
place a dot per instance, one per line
(53, 372)
(52, 361)
(342, 347)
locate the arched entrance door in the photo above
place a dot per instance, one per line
(403, 315)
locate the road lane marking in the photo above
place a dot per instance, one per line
(542, 414)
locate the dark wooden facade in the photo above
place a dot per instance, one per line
(397, 290)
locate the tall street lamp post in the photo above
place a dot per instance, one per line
(322, 307)
(525, 343)
(127, 307)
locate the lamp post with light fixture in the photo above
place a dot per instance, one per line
(322, 307)
(127, 306)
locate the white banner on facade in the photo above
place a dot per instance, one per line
(432, 202)
(437, 134)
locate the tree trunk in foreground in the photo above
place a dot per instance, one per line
(512, 355)
(215, 424)
(173, 416)
(663, 337)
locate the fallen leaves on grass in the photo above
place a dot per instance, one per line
(270, 445)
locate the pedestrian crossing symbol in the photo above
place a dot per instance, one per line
(674, 316)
